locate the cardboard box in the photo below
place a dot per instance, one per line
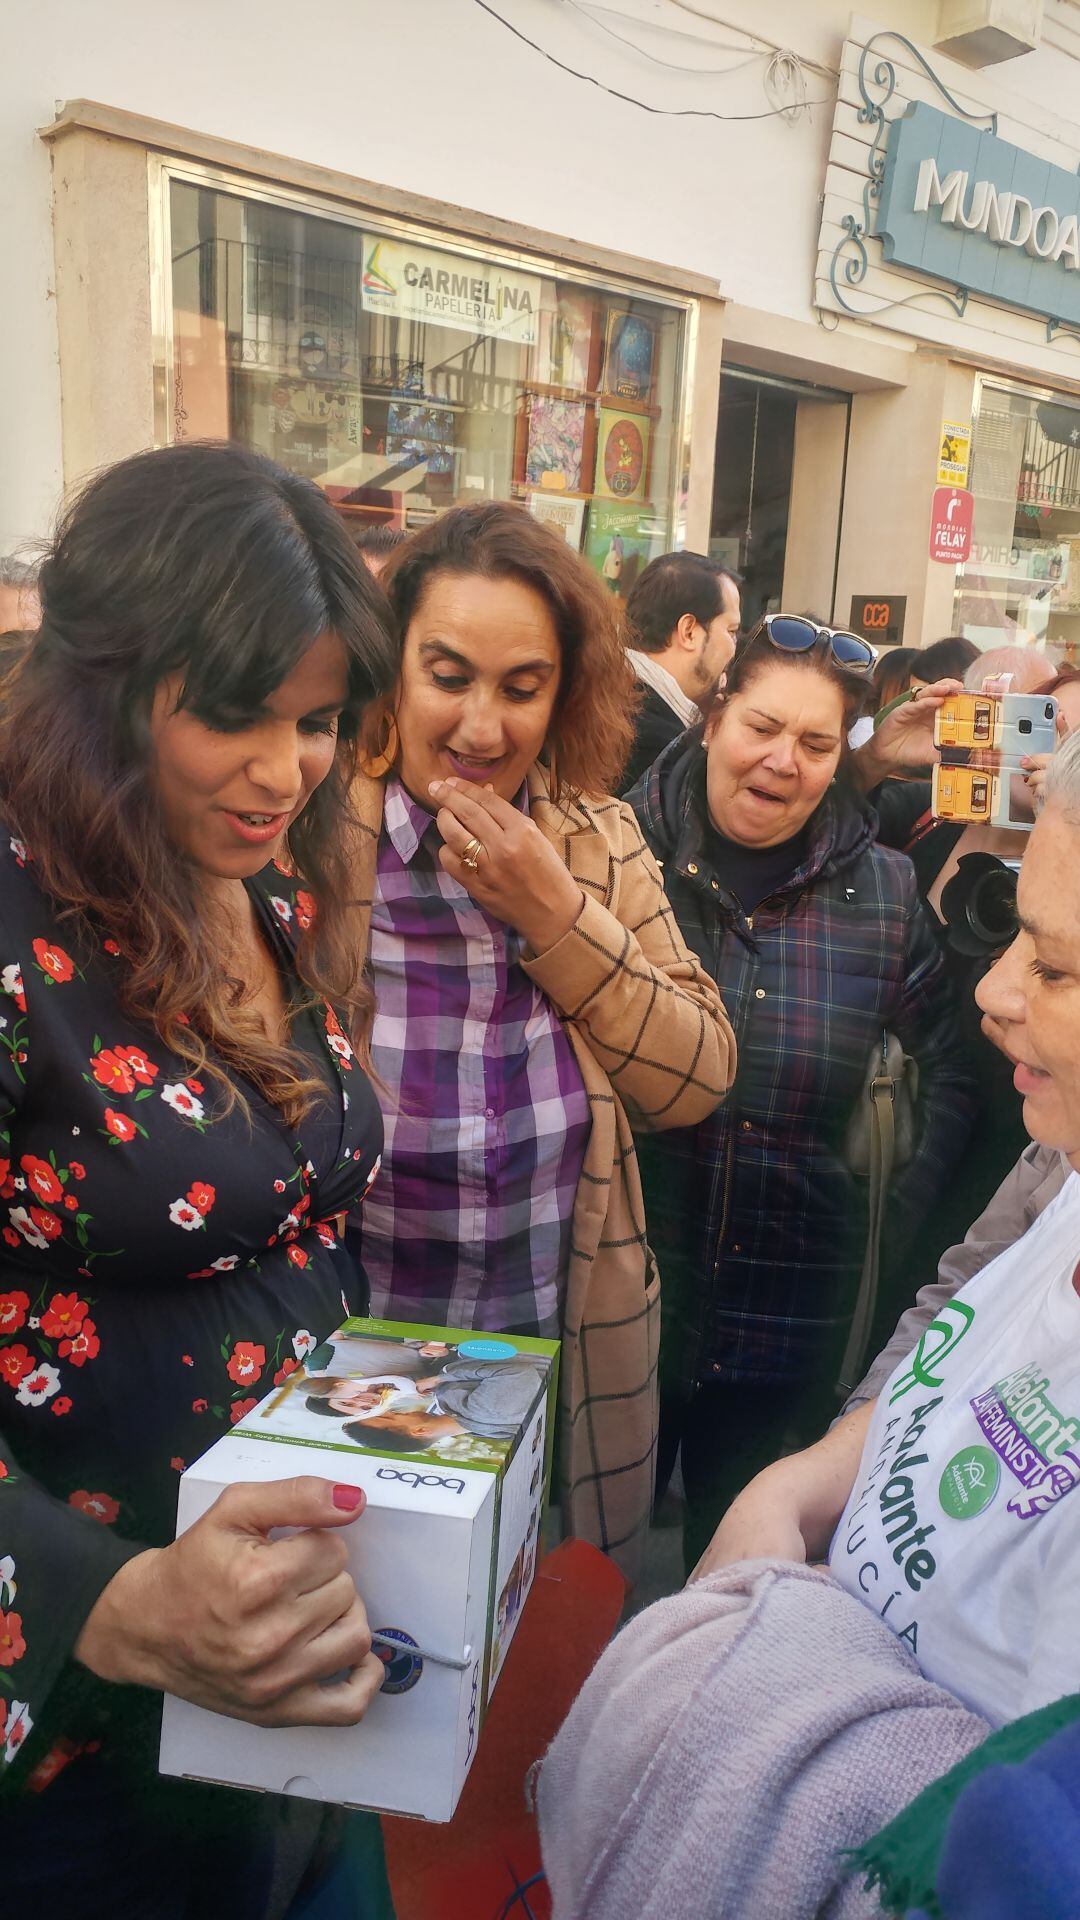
(443, 1556)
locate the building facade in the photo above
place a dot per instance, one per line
(804, 301)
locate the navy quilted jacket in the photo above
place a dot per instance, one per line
(758, 1227)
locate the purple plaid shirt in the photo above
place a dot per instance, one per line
(486, 1115)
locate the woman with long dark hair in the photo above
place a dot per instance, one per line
(185, 1113)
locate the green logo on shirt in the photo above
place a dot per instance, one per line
(969, 1482)
(941, 1336)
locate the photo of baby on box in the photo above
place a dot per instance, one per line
(448, 1402)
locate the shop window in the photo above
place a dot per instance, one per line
(405, 376)
(1021, 585)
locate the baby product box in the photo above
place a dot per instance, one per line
(449, 1433)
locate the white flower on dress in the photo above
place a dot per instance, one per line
(21, 1220)
(183, 1214)
(225, 1263)
(19, 1183)
(281, 908)
(11, 981)
(289, 1224)
(303, 1341)
(18, 1725)
(8, 1588)
(33, 1323)
(19, 850)
(40, 1385)
(182, 1100)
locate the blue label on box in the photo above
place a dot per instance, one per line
(487, 1349)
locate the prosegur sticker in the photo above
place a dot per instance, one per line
(969, 1482)
(954, 453)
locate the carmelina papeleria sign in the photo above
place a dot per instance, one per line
(951, 521)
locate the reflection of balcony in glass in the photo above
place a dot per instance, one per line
(1015, 459)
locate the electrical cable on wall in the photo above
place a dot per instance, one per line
(670, 66)
(767, 46)
(672, 113)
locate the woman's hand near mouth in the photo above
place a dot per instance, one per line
(519, 877)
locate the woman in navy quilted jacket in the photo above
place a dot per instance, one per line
(818, 941)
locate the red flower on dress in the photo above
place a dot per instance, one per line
(12, 1644)
(298, 1257)
(194, 1086)
(99, 1506)
(201, 1196)
(111, 946)
(14, 1308)
(247, 1362)
(176, 1463)
(83, 1345)
(112, 1071)
(119, 1125)
(15, 1364)
(325, 1232)
(53, 960)
(71, 1202)
(64, 1314)
(305, 910)
(144, 1070)
(198, 1406)
(337, 1040)
(187, 1360)
(283, 1372)
(279, 1186)
(11, 1236)
(61, 1404)
(41, 1179)
(239, 1408)
(46, 1223)
(77, 1170)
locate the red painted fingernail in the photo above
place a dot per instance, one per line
(348, 1498)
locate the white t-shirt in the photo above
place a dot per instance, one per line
(958, 1532)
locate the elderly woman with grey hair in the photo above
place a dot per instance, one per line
(20, 608)
(786, 1710)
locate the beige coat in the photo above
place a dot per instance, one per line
(655, 1050)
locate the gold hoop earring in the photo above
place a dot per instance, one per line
(553, 776)
(376, 764)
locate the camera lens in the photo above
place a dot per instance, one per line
(990, 908)
(979, 905)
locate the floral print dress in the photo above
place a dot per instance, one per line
(161, 1268)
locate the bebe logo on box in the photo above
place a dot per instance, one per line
(420, 1479)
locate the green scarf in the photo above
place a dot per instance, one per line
(902, 1860)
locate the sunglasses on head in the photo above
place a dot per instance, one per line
(794, 633)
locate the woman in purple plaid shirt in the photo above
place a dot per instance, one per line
(532, 989)
(818, 941)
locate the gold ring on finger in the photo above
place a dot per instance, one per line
(470, 853)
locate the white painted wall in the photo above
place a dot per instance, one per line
(437, 97)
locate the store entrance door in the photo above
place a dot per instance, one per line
(781, 448)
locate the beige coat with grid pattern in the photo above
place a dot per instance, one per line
(654, 1047)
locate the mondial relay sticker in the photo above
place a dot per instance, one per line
(969, 1482)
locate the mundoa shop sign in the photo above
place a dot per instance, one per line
(970, 208)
